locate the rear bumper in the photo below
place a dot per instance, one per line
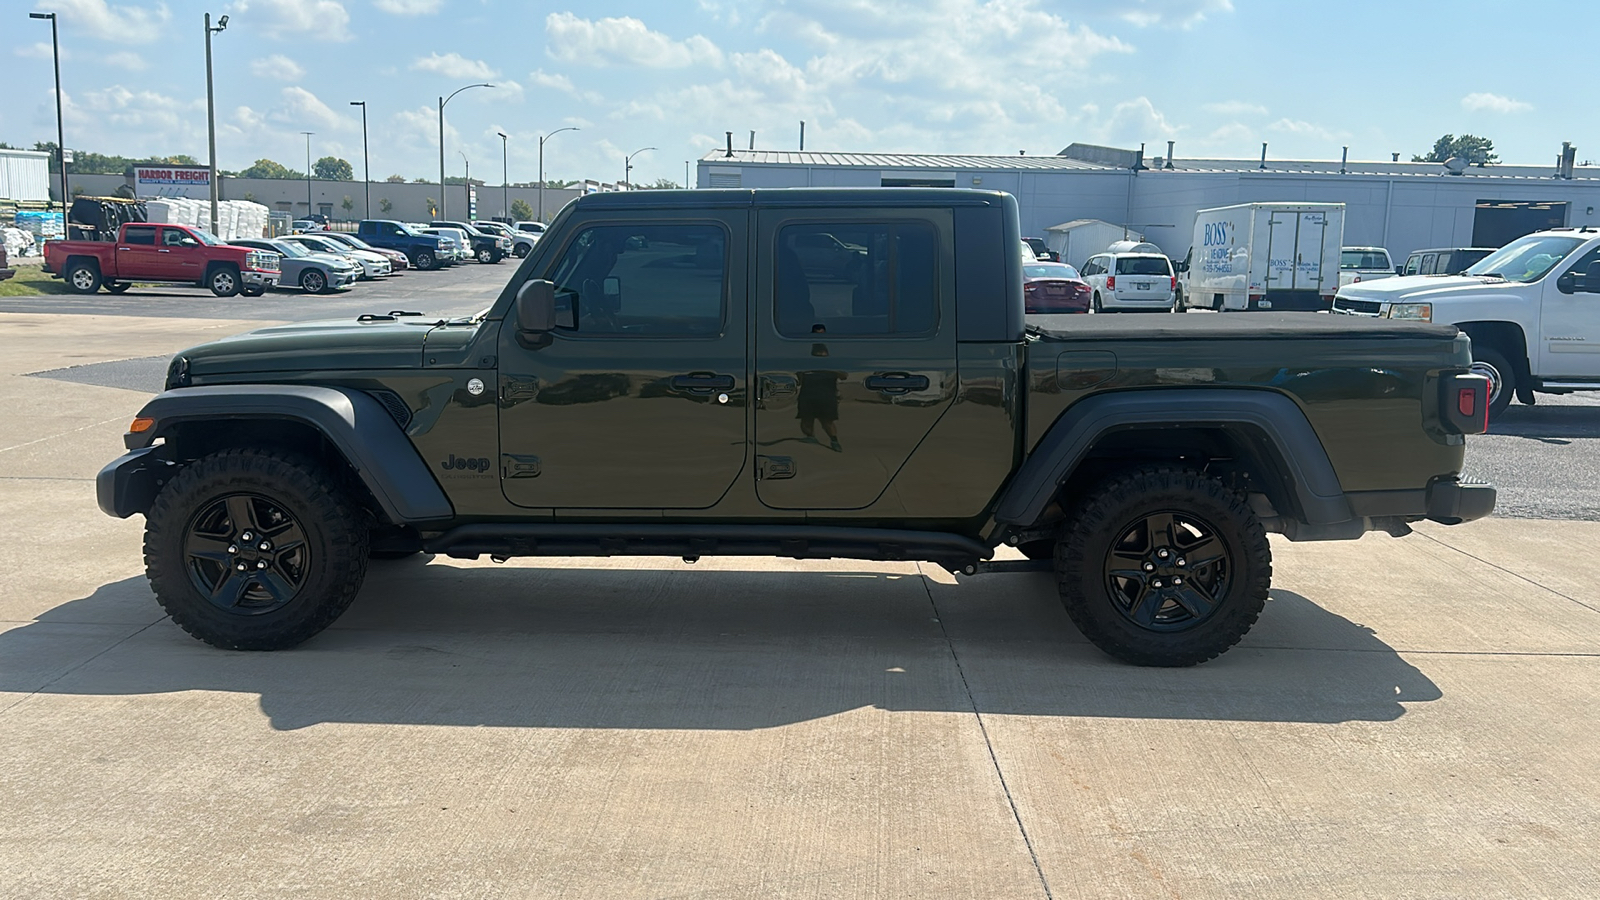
(1456, 501)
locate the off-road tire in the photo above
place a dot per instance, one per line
(223, 281)
(1504, 376)
(335, 532)
(118, 287)
(312, 281)
(1107, 512)
(425, 260)
(83, 277)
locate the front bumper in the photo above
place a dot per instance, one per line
(1461, 500)
(340, 279)
(129, 483)
(261, 280)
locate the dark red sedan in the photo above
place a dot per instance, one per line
(1051, 288)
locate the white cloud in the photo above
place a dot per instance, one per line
(277, 66)
(304, 111)
(624, 41)
(37, 51)
(1235, 108)
(1172, 13)
(1300, 128)
(322, 20)
(453, 65)
(1493, 103)
(124, 24)
(409, 7)
(1130, 123)
(125, 59)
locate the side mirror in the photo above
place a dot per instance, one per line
(1591, 278)
(536, 306)
(188, 242)
(1399, 270)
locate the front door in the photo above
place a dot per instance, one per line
(855, 350)
(182, 257)
(1569, 339)
(638, 399)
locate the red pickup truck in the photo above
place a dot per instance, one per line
(145, 251)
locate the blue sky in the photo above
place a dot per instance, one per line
(959, 76)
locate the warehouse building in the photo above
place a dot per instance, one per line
(1398, 205)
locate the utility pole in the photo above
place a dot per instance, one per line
(366, 165)
(308, 135)
(211, 116)
(61, 140)
(542, 139)
(467, 200)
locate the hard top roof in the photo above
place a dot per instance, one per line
(744, 197)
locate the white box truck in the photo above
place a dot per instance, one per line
(1264, 256)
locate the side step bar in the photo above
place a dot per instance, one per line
(956, 553)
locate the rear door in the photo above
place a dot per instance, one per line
(138, 253)
(1281, 228)
(638, 399)
(855, 349)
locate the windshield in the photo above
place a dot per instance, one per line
(207, 238)
(1526, 260)
(349, 240)
(1143, 265)
(1050, 270)
(321, 246)
(1363, 259)
(290, 249)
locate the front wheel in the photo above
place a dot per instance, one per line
(254, 549)
(520, 251)
(425, 261)
(1491, 363)
(1163, 566)
(224, 282)
(485, 255)
(312, 281)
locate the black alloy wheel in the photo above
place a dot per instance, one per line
(1163, 566)
(520, 251)
(312, 281)
(246, 554)
(425, 261)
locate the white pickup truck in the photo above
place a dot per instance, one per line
(1532, 309)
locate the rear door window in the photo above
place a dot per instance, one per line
(139, 234)
(856, 279)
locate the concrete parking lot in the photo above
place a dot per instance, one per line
(1411, 718)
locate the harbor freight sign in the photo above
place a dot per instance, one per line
(172, 181)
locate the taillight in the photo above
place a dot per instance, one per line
(1111, 282)
(1174, 283)
(1464, 405)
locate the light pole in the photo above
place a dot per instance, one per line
(308, 135)
(686, 184)
(627, 166)
(211, 116)
(366, 164)
(468, 179)
(61, 140)
(442, 102)
(542, 139)
(505, 178)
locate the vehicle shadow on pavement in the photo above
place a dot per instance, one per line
(679, 648)
(1548, 423)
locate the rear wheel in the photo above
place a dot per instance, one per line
(118, 287)
(1491, 363)
(83, 277)
(252, 291)
(1097, 307)
(254, 549)
(1163, 566)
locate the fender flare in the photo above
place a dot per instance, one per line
(355, 423)
(1272, 416)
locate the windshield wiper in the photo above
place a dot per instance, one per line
(1495, 275)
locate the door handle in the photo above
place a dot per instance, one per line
(163, 250)
(702, 382)
(897, 383)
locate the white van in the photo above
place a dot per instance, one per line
(1140, 280)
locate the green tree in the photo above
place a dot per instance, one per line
(266, 168)
(557, 184)
(419, 181)
(660, 184)
(332, 168)
(347, 204)
(520, 210)
(396, 179)
(1476, 150)
(384, 205)
(432, 204)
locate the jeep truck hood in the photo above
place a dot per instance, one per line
(380, 342)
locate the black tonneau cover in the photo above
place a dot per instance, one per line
(1224, 326)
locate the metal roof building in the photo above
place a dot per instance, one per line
(1403, 206)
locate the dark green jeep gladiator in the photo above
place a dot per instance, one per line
(797, 373)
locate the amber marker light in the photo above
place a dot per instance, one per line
(141, 425)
